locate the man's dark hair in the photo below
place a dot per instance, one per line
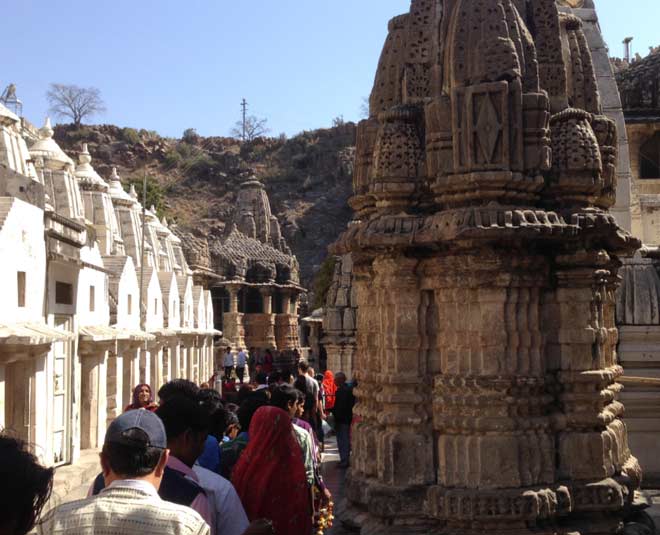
(274, 377)
(178, 387)
(247, 409)
(132, 461)
(299, 395)
(284, 395)
(211, 402)
(27, 486)
(182, 413)
(303, 366)
(261, 378)
(244, 392)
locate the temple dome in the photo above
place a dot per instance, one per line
(86, 174)
(48, 149)
(117, 191)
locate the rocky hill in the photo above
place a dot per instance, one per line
(193, 181)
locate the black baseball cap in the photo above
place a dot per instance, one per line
(153, 431)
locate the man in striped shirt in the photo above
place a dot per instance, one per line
(133, 459)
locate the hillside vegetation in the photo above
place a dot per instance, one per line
(193, 181)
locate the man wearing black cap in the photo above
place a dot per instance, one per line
(133, 460)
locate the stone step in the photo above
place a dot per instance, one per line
(72, 481)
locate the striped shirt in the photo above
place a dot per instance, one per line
(125, 507)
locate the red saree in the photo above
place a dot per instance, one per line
(270, 476)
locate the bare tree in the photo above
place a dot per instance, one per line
(254, 128)
(364, 108)
(74, 102)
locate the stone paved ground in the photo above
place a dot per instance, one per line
(334, 479)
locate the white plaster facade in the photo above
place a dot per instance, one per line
(77, 330)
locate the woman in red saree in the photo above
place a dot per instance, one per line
(270, 475)
(142, 399)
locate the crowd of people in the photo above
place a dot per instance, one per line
(244, 461)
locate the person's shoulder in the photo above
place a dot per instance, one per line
(209, 477)
(182, 513)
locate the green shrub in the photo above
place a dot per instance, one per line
(191, 136)
(323, 281)
(130, 135)
(155, 193)
(173, 159)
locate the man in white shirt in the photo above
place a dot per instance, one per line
(133, 460)
(228, 363)
(241, 362)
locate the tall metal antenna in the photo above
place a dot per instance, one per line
(244, 106)
(143, 319)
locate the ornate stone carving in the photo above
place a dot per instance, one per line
(486, 363)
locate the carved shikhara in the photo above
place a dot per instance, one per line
(485, 266)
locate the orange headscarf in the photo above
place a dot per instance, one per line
(330, 389)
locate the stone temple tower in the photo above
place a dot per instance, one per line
(485, 265)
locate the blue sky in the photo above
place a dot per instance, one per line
(168, 65)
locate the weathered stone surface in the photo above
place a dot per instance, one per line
(485, 266)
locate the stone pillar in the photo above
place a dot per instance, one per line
(176, 357)
(192, 355)
(91, 361)
(156, 367)
(267, 295)
(131, 370)
(145, 365)
(233, 299)
(115, 386)
(233, 328)
(169, 358)
(3, 390)
(39, 406)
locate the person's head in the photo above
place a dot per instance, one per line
(311, 372)
(204, 386)
(142, 396)
(275, 378)
(258, 369)
(340, 379)
(262, 378)
(285, 397)
(303, 367)
(211, 401)
(247, 409)
(186, 423)
(300, 404)
(319, 378)
(232, 425)
(27, 484)
(231, 407)
(244, 392)
(135, 447)
(228, 349)
(178, 387)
